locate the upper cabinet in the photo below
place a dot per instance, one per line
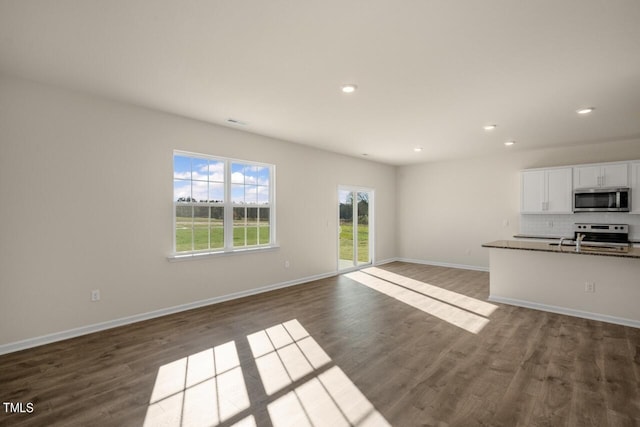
(546, 191)
(605, 175)
(635, 187)
(550, 190)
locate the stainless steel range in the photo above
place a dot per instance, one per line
(602, 236)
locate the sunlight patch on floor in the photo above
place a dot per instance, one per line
(203, 389)
(285, 354)
(303, 386)
(464, 319)
(330, 399)
(477, 306)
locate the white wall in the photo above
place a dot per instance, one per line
(86, 187)
(446, 210)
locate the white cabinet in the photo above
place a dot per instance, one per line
(533, 192)
(612, 175)
(546, 191)
(635, 188)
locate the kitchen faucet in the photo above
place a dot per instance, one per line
(579, 238)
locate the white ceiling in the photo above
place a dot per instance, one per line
(430, 73)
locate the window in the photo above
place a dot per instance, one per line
(221, 205)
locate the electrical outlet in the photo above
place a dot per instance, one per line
(589, 287)
(95, 295)
(287, 264)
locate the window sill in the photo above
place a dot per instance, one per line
(205, 255)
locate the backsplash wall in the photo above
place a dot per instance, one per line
(562, 225)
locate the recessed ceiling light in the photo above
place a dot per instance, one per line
(509, 143)
(585, 110)
(490, 127)
(350, 88)
(418, 149)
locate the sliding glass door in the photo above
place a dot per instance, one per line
(355, 243)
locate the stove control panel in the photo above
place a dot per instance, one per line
(602, 228)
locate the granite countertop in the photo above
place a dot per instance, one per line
(565, 249)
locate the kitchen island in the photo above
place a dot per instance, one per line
(600, 284)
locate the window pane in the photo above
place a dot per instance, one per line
(264, 236)
(252, 216)
(200, 191)
(216, 192)
(181, 190)
(263, 215)
(181, 167)
(363, 241)
(251, 175)
(346, 226)
(237, 173)
(252, 226)
(237, 193)
(252, 236)
(216, 231)
(200, 227)
(216, 171)
(239, 227)
(263, 195)
(263, 226)
(363, 227)
(238, 236)
(184, 228)
(199, 169)
(263, 175)
(251, 194)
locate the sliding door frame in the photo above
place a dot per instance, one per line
(371, 227)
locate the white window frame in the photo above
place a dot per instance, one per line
(228, 207)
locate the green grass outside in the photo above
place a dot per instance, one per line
(211, 236)
(346, 242)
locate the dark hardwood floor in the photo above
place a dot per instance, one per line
(351, 354)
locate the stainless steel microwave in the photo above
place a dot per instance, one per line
(602, 200)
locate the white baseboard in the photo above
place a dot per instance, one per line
(566, 311)
(386, 261)
(96, 327)
(444, 264)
